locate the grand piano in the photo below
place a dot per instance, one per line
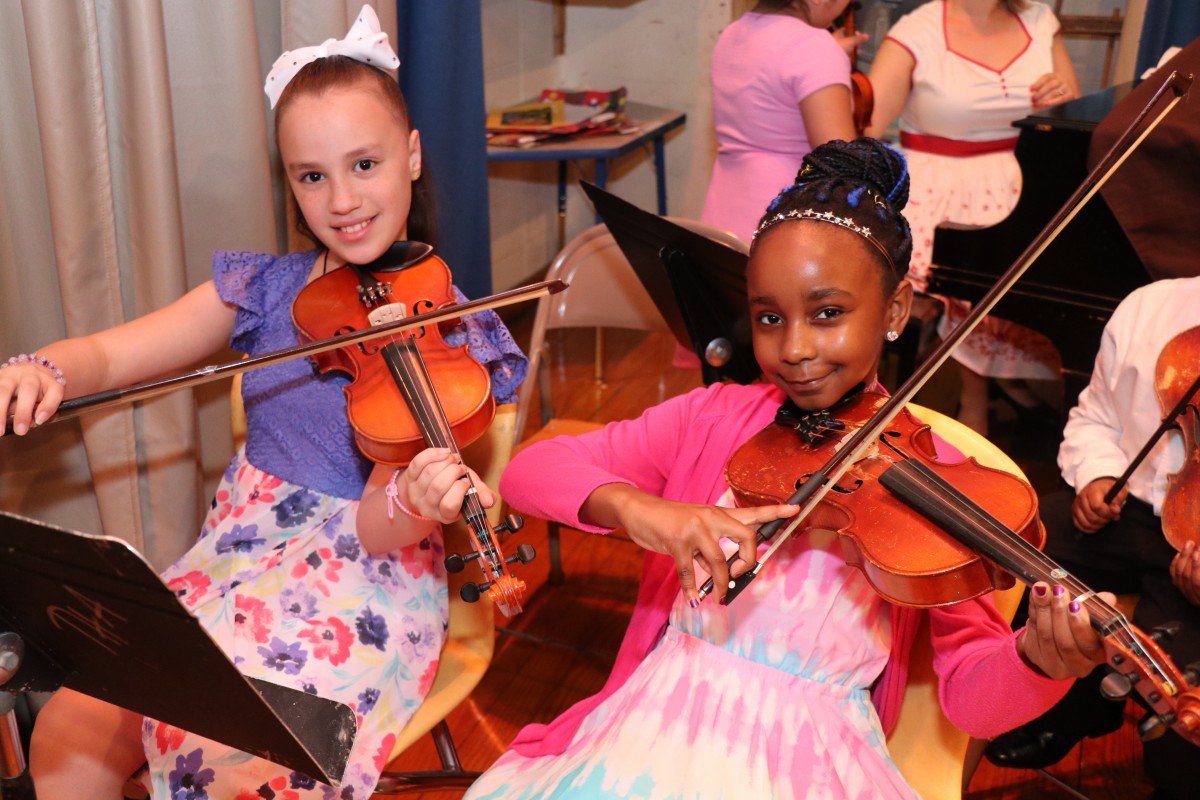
(1069, 293)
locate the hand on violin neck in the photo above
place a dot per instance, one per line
(850, 42)
(437, 481)
(690, 533)
(429, 492)
(1089, 512)
(1059, 641)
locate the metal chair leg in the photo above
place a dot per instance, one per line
(451, 776)
(557, 576)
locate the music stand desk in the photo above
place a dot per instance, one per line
(653, 124)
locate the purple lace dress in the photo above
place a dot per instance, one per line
(278, 577)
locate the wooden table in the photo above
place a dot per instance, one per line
(653, 125)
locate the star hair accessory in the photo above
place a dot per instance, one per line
(365, 42)
(833, 219)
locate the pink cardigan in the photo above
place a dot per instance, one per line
(678, 450)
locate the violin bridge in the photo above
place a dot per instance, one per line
(392, 312)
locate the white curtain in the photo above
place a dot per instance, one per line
(134, 140)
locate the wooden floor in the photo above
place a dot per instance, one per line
(560, 649)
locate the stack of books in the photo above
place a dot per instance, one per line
(558, 114)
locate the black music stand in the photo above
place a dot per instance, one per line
(698, 285)
(96, 618)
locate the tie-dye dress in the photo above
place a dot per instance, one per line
(278, 577)
(768, 697)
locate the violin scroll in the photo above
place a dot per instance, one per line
(501, 588)
(1138, 663)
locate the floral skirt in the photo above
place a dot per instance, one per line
(279, 580)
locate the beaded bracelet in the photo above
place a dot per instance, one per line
(42, 361)
(393, 498)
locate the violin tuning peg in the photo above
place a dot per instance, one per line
(1152, 726)
(1116, 686)
(1165, 632)
(455, 563)
(525, 553)
(1191, 673)
(471, 592)
(511, 524)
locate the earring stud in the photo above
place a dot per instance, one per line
(891, 336)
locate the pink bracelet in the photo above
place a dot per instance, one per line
(393, 498)
(41, 361)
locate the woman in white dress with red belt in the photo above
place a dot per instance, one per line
(958, 73)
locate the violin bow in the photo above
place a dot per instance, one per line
(78, 406)
(821, 482)
(1167, 423)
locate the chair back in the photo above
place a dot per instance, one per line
(603, 292)
(935, 756)
(470, 638)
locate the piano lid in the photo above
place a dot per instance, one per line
(1155, 195)
(698, 285)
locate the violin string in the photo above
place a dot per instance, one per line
(1014, 551)
(408, 366)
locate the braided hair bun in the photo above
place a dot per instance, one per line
(863, 184)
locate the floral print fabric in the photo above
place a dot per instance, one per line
(280, 582)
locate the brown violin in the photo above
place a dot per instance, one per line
(927, 533)
(904, 557)
(446, 392)
(1176, 382)
(862, 94)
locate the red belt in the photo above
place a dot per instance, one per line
(954, 147)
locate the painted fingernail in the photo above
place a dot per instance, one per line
(1074, 607)
(1058, 590)
(9, 660)
(694, 603)
(1040, 590)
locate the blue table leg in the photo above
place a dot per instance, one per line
(660, 169)
(562, 205)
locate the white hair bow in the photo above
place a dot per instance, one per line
(365, 42)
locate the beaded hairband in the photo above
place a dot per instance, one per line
(828, 216)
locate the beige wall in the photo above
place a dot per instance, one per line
(658, 49)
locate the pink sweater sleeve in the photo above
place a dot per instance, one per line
(986, 688)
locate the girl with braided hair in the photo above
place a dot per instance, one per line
(789, 690)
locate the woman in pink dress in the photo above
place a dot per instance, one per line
(780, 86)
(959, 73)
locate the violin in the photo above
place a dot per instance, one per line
(904, 558)
(447, 392)
(1177, 401)
(1176, 388)
(940, 533)
(862, 94)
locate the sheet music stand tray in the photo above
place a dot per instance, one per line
(96, 618)
(698, 285)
